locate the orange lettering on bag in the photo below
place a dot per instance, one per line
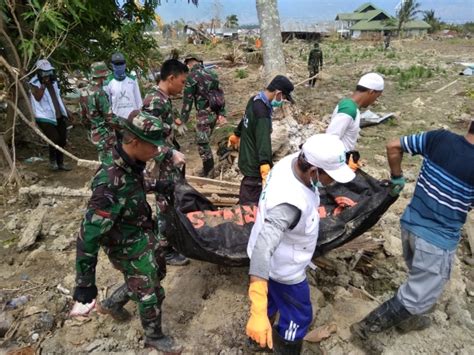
(196, 218)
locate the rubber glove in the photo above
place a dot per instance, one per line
(259, 327)
(233, 141)
(398, 183)
(264, 170)
(352, 164)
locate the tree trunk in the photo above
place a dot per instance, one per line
(270, 32)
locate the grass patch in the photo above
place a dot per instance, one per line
(241, 74)
(410, 77)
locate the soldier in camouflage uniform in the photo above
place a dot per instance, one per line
(119, 219)
(315, 62)
(202, 89)
(96, 110)
(157, 102)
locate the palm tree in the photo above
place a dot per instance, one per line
(231, 21)
(430, 18)
(407, 12)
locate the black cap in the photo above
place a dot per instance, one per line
(283, 84)
(118, 58)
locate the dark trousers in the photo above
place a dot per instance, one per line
(250, 190)
(58, 134)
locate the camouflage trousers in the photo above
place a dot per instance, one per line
(142, 276)
(205, 123)
(313, 70)
(104, 140)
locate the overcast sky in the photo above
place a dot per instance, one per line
(456, 11)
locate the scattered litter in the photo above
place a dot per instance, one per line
(446, 86)
(17, 302)
(467, 72)
(35, 336)
(63, 289)
(418, 103)
(321, 333)
(82, 310)
(369, 118)
(31, 160)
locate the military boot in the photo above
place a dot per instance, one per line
(207, 168)
(281, 346)
(155, 338)
(113, 305)
(385, 316)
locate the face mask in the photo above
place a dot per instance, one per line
(316, 183)
(276, 103)
(119, 71)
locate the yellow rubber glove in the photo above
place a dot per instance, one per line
(233, 141)
(259, 327)
(264, 170)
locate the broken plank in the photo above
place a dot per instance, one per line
(33, 227)
(203, 181)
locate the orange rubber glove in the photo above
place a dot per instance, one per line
(353, 165)
(259, 327)
(233, 141)
(264, 170)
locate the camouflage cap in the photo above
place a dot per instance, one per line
(316, 45)
(145, 126)
(190, 56)
(99, 70)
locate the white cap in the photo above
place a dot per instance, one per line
(372, 81)
(326, 151)
(44, 64)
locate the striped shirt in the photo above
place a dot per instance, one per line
(444, 192)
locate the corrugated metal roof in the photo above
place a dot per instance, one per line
(302, 27)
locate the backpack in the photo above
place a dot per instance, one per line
(212, 91)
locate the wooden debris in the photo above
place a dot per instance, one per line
(446, 86)
(37, 190)
(6, 153)
(321, 333)
(364, 243)
(33, 228)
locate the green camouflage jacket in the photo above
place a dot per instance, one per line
(118, 217)
(198, 83)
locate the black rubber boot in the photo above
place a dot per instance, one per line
(285, 347)
(155, 338)
(113, 305)
(414, 323)
(385, 316)
(52, 159)
(60, 160)
(207, 167)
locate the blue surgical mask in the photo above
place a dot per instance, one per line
(119, 71)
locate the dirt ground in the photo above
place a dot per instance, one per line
(207, 306)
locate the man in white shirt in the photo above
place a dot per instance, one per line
(122, 89)
(283, 240)
(345, 120)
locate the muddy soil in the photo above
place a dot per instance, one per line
(206, 306)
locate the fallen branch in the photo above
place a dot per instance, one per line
(6, 153)
(80, 162)
(305, 80)
(446, 86)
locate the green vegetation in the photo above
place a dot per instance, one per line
(241, 74)
(408, 78)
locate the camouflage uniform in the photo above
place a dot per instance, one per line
(159, 105)
(198, 84)
(96, 110)
(119, 219)
(315, 61)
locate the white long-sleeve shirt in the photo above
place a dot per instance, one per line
(124, 96)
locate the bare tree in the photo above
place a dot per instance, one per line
(270, 32)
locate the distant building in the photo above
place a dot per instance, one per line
(311, 32)
(369, 21)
